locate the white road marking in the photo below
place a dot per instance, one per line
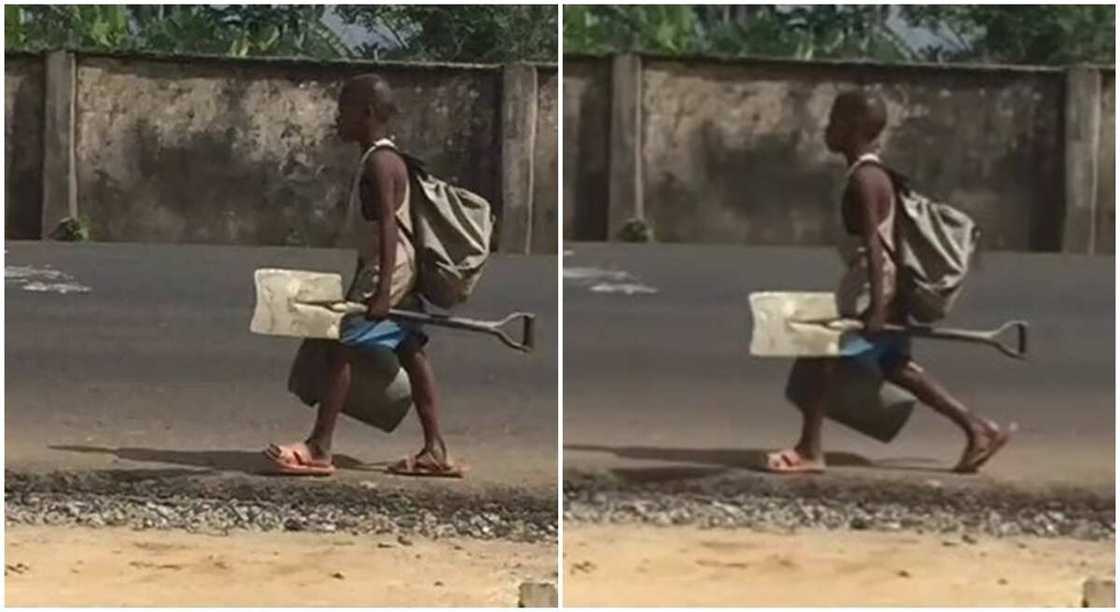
(43, 280)
(599, 280)
(593, 274)
(624, 288)
(62, 288)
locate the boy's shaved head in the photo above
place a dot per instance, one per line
(369, 91)
(862, 109)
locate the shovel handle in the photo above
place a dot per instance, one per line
(494, 328)
(991, 338)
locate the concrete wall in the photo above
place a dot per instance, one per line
(247, 154)
(1106, 167)
(546, 199)
(23, 145)
(735, 153)
(587, 103)
(213, 150)
(732, 151)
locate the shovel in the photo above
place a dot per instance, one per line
(808, 325)
(311, 305)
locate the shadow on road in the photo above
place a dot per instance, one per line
(724, 459)
(727, 458)
(654, 475)
(248, 462)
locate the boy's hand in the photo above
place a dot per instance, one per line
(874, 322)
(377, 308)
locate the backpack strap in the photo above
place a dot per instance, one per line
(866, 158)
(899, 181)
(873, 159)
(900, 186)
(413, 165)
(384, 143)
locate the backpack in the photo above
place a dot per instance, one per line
(936, 246)
(451, 233)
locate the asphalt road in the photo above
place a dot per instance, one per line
(152, 367)
(661, 387)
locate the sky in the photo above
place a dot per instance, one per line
(355, 35)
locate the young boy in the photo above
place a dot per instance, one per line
(380, 232)
(869, 291)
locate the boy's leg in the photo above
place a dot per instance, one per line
(314, 455)
(984, 437)
(338, 387)
(424, 394)
(809, 445)
(808, 455)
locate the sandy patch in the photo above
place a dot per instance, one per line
(637, 565)
(63, 566)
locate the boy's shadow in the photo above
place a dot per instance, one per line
(721, 460)
(247, 462)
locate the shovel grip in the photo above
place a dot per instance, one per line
(528, 335)
(1022, 339)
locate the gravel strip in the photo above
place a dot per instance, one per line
(219, 506)
(761, 503)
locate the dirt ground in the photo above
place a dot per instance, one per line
(64, 566)
(635, 565)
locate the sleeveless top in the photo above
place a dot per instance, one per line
(365, 236)
(853, 296)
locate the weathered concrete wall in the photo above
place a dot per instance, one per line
(545, 153)
(587, 104)
(245, 152)
(1106, 167)
(734, 152)
(23, 145)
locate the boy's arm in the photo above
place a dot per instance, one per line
(867, 200)
(384, 171)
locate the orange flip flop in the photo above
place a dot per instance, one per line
(790, 462)
(296, 460)
(973, 464)
(416, 466)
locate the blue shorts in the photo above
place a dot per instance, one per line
(359, 333)
(886, 351)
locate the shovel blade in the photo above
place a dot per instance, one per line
(776, 332)
(285, 303)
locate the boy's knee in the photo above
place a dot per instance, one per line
(338, 355)
(411, 347)
(809, 381)
(903, 371)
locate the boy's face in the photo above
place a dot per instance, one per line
(352, 119)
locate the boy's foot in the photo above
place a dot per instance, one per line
(790, 461)
(425, 463)
(982, 447)
(298, 460)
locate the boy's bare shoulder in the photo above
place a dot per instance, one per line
(385, 161)
(868, 170)
(871, 175)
